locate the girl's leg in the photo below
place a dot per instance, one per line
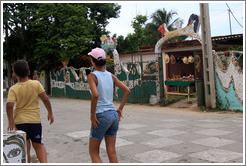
(94, 146)
(110, 146)
(40, 152)
(28, 146)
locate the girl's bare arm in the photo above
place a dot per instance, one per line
(126, 93)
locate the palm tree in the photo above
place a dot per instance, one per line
(158, 18)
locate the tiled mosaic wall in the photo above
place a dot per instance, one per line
(40, 76)
(70, 82)
(139, 80)
(229, 79)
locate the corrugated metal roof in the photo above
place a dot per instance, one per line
(190, 42)
(227, 37)
(187, 43)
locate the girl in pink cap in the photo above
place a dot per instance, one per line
(104, 117)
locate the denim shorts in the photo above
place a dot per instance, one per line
(33, 131)
(108, 126)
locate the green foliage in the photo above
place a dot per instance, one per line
(48, 33)
(236, 48)
(16, 25)
(79, 61)
(138, 23)
(101, 12)
(15, 52)
(158, 18)
(128, 44)
(121, 44)
(64, 32)
(132, 41)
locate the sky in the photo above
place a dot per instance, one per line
(218, 11)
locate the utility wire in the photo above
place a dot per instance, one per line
(236, 19)
(233, 15)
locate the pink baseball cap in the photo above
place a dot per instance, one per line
(97, 53)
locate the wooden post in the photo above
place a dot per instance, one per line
(188, 93)
(166, 92)
(208, 65)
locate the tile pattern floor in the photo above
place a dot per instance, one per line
(177, 140)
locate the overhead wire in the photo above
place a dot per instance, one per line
(233, 15)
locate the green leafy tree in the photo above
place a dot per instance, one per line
(133, 41)
(101, 13)
(46, 34)
(121, 44)
(130, 43)
(17, 18)
(64, 32)
(18, 38)
(127, 44)
(138, 23)
(98, 14)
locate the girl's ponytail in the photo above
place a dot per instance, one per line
(100, 61)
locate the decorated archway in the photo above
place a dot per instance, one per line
(190, 29)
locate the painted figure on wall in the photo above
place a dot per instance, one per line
(67, 77)
(14, 148)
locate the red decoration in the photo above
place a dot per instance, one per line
(162, 29)
(64, 64)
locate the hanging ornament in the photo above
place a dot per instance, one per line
(190, 59)
(185, 60)
(166, 58)
(172, 59)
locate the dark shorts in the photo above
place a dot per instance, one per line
(33, 131)
(108, 126)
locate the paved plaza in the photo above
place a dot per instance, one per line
(147, 134)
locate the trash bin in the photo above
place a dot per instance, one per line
(200, 92)
(153, 100)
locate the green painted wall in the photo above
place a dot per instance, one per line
(70, 82)
(140, 89)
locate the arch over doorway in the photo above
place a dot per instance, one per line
(190, 30)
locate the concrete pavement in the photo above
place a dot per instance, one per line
(147, 134)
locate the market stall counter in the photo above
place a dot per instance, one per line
(180, 82)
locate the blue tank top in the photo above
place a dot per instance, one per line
(105, 89)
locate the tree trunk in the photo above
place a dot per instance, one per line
(9, 67)
(47, 82)
(9, 74)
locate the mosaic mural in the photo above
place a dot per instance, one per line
(229, 79)
(40, 76)
(70, 82)
(134, 76)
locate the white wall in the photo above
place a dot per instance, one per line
(137, 57)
